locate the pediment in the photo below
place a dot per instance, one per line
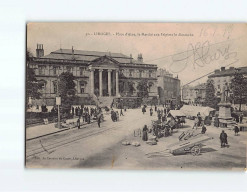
(105, 61)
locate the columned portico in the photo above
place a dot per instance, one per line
(104, 76)
(104, 86)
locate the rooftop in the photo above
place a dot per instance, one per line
(228, 72)
(88, 56)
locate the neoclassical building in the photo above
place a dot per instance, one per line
(103, 74)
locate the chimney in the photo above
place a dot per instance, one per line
(222, 68)
(217, 71)
(131, 58)
(39, 51)
(140, 59)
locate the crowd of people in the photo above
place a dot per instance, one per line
(87, 114)
(115, 115)
(163, 127)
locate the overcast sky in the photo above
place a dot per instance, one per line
(159, 43)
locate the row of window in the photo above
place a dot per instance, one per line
(82, 87)
(136, 73)
(55, 70)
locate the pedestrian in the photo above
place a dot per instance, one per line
(216, 121)
(143, 109)
(73, 111)
(84, 117)
(237, 119)
(145, 133)
(241, 117)
(76, 111)
(99, 119)
(78, 123)
(223, 139)
(79, 112)
(117, 116)
(195, 123)
(199, 119)
(88, 119)
(204, 129)
(151, 111)
(155, 108)
(121, 112)
(112, 115)
(236, 129)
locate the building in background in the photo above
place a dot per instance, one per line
(104, 74)
(168, 88)
(194, 95)
(222, 78)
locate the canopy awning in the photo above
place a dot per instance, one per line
(194, 110)
(177, 113)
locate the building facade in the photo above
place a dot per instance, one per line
(222, 78)
(194, 95)
(169, 88)
(101, 74)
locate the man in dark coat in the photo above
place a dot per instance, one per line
(88, 119)
(241, 117)
(143, 109)
(112, 115)
(73, 111)
(204, 129)
(236, 129)
(216, 121)
(78, 123)
(223, 139)
(99, 119)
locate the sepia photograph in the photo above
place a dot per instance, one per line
(136, 96)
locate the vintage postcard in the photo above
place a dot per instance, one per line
(136, 96)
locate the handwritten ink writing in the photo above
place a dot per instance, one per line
(200, 55)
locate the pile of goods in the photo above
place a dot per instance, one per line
(152, 140)
(135, 143)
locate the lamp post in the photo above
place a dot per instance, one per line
(58, 103)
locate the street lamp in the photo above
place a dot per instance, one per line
(58, 103)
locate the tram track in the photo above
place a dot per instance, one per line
(52, 146)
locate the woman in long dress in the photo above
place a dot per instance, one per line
(145, 133)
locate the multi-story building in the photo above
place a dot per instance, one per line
(103, 74)
(168, 88)
(194, 95)
(222, 78)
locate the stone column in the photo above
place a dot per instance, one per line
(109, 82)
(92, 81)
(100, 83)
(117, 87)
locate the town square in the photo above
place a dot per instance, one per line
(106, 109)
